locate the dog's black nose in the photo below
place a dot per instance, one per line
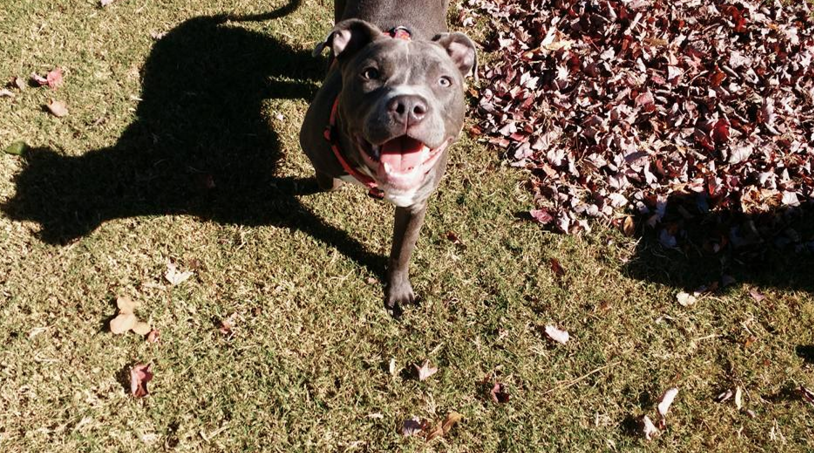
(407, 109)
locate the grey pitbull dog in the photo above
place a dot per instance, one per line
(388, 110)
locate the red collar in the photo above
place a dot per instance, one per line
(333, 137)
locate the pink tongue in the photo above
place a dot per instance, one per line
(402, 154)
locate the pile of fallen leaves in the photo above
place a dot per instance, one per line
(629, 110)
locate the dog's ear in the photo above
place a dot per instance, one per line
(348, 36)
(461, 50)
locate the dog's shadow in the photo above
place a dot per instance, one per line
(200, 144)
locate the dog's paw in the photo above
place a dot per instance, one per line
(399, 294)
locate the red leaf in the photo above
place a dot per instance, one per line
(140, 375)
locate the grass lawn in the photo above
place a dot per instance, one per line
(183, 149)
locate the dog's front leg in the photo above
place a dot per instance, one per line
(407, 225)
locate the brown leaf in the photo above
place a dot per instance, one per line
(499, 393)
(57, 108)
(556, 267)
(629, 226)
(541, 216)
(126, 305)
(17, 82)
(424, 371)
(452, 237)
(227, 325)
(452, 418)
(756, 295)
(54, 78)
(140, 375)
(123, 323)
(411, 427)
(807, 395)
(154, 336)
(141, 328)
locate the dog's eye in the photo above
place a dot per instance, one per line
(445, 81)
(370, 73)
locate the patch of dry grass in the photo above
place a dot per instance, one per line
(116, 198)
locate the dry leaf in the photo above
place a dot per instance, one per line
(54, 78)
(57, 108)
(126, 305)
(175, 277)
(556, 267)
(738, 397)
(452, 418)
(756, 295)
(560, 336)
(686, 299)
(499, 393)
(140, 375)
(392, 367)
(17, 82)
(141, 328)
(154, 336)
(411, 427)
(649, 429)
(122, 323)
(38, 79)
(104, 3)
(227, 325)
(4, 93)
(424, 371)
(723, 397)
(666, 401)
(808, 395)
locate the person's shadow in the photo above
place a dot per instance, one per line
(200, 144)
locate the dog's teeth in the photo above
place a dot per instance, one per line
(386, 167)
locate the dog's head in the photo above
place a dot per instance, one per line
(402, 100)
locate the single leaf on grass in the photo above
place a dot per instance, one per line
(175, 277)
(4, 93)
(756, 295)
(499, 393)
(141, 328)
(54, 78)
(16, 148)
(57, 108)
(127, 320)
(667, 401)
(126, 305)
(452, 237)
(556, 267)
(392, 367)
(541, 216)
(227, 325)
(154, 336)
(424, 371)
(723, 397)
(686, 299)
(452, 418)
(738, 397)
(140, 375)
(443, 428)
(38, 79)
(411, 427)
(629, 226)
(104, 3)
(808, 395)
(123, 323)
(560, 336)
(17, 82)
(648, 428)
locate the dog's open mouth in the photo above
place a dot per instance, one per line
(402, 162)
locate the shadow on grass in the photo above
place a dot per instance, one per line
(200, 145)
(769, 249)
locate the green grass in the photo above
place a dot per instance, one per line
(111, 193)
